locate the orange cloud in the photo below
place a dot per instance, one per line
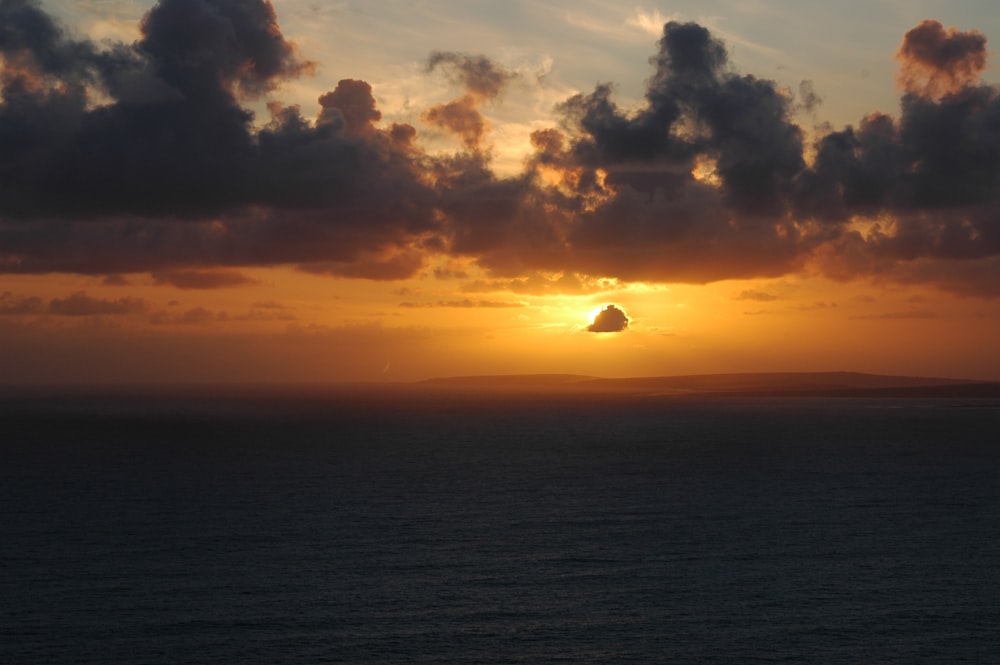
(462, 118)
(937, 61)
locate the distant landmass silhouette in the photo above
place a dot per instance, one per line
(766, 383)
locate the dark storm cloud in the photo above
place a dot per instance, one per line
(609, 320)
(628, 203)
(696, 108)
(161, 168)
(236, 41)
(351, 105)
(28, 32)
(707, 180)
(180, 178)
(188, 151)
(932, 177)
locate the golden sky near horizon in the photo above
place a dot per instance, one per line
(213, 190)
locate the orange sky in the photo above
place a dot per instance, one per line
(151, 229)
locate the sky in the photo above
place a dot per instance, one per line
(301, 191)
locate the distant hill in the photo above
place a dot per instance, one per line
(516, 380)
(774, 383)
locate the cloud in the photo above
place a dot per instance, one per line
(617, 192)
(753, 294)
(397, 263)
(450, 273)
(482, 79)
(202, 279)
(611, 319)
(11, 304)
(745, 126)
(809, 99)
(480, 76)
(540, 284)
(938, 61)
(350, 106)
(910, 314)
(265, 315)
(650, 22)
(161, 167)
(196, 316)
(294, 191)
(809, 307)
(465, 304)
(233, 44)
(80, 304)
(460, 117)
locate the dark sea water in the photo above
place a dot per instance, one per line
(379, 527)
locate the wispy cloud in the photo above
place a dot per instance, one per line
(906, 314)
(464, 304)
(80, 304)
(649, 21)
(753, 294)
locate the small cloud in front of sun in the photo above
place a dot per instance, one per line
(611, 319)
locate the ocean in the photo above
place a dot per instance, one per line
(392, 525)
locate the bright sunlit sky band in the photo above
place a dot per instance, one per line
(223, 190)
